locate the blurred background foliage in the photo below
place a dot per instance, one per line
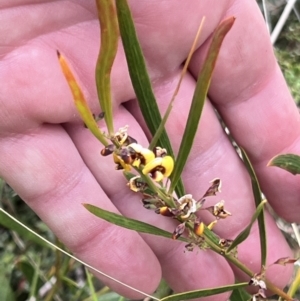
(287, 45)
(31, 271)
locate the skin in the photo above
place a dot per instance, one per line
(53, 162)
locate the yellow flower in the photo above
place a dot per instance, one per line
(187, 205)
(136, 184)
(140, 155)
(159, 168)
(120, 163)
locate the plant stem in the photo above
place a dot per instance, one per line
(168, 200)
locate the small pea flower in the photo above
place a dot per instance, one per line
(178, 231)
(137, 184)
(120, 164)
(259, 279)
(218, 210)
(121, 135)
(140, 155)
(186, 206)
(159, 168)
(121, 138)
(126, 154)
(260, 295)
(159, 152)
(214, 188)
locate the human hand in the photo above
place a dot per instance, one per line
(53, 162)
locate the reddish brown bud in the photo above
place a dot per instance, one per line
(127, 155)
(130, 140)
(107, 150)
(164, 211)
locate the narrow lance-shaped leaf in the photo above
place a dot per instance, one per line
(204, 292)
(140, 79)
(80, 102)
(108, 50)
(199, 97)
(289, 162)
(128, 223)
(245, 233)
(258, 199)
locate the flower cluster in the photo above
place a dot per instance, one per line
(157, 165)
(128, 153)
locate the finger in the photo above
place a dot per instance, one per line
(250, 93)
(213, 156)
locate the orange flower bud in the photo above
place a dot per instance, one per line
(198, 228)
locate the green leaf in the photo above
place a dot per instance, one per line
(204, 292)
(289, 162)
(7, 221)
(163, 290)
(140, 79)
(240, 295)
(108, 50)
(258, 199)
(199, 97)
(245, 233)
(129, 223)
(6, 292)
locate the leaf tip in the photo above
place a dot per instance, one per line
(271, 162)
